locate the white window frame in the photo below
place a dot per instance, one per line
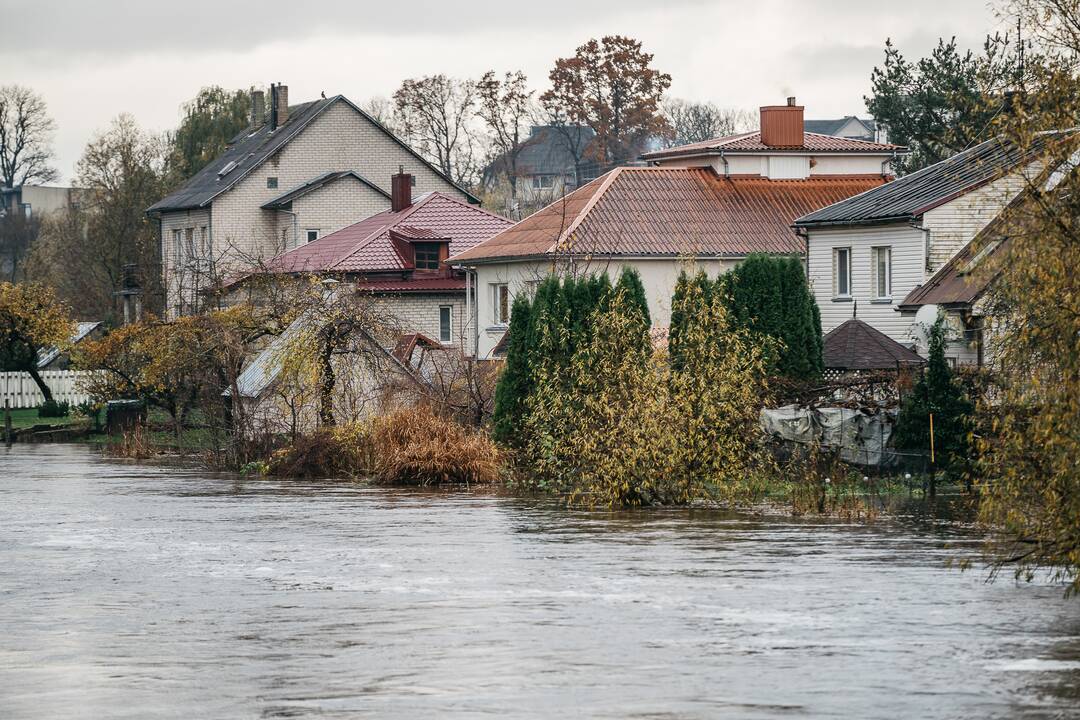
(308, 231)
(189, 243)
(449, 336)
(836, 273)
(497, 316)
(875, 259)
(204, 242)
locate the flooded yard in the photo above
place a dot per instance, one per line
(136, 591)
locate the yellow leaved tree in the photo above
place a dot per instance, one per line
(31, 318)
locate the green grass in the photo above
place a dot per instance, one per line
(28, 417)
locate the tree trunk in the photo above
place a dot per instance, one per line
(326, 389)
(40, 383)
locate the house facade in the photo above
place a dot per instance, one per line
(852, 127)
(868, 254)
(398, 257)
(708, 205)
(298, 172)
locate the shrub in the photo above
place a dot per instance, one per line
(53, 409)
(338, 451)
(416, 447)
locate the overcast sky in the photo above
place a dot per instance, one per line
(94, 60)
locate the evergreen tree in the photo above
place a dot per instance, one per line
(630, 284)
(512, 392)
(937, 393)
(680, 315)
(769, 296)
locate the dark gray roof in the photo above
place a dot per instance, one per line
(250, 149)
(910, 196)
(548, 151)
(854, 345)
(831, 127)
(316, 183)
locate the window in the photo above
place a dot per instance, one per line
(271, 182)
(28, 210)
(445, 325)
(189, 243)
(178, 247)
(543, 182)
(312, 234)
(882, 272)
(427, 256)
(204, 242)
(500, 297)
(842, 272)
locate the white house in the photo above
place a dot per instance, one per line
(711, 204)
(295, 174)
(866, 254)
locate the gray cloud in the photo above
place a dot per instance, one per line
(121, 27)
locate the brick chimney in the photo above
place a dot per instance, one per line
(279, 105)
(782, 125)
(400, 190)
(258, 109)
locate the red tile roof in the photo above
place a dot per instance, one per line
(366, 246)
(750, 142)
(663, 211)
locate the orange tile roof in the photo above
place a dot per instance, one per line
(750, 142)
(670, 212)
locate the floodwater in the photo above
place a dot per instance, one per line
(134, 591)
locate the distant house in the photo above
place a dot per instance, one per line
(851, 127)
(551, 162)
(711, 203)
(36, 201)
(877, 248)
(298, 172)
(399, 255)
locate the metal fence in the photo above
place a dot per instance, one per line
(19, 390)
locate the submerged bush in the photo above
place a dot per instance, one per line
(336, 451)
(416, 447)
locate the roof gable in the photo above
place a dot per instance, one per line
(669, 212)
(314, 184)
(251, 149)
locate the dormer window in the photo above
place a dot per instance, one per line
(427, 256)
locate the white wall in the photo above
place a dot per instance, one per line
(657, 275)
(955, 223)
(907, 272)
(759, 164)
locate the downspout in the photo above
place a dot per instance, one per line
(468, 312)
(727, 168)
(886, 162)
(294, 230)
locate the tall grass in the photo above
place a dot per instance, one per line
(416, 447)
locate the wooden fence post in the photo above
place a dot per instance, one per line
(7, 422)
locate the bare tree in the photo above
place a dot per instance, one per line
(691, 122)
(433, 114)
(83, 251)
(382, 110)
(504, 107)
(25, 138)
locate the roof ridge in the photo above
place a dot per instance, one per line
(584, 212)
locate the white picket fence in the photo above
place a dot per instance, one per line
(20, 390)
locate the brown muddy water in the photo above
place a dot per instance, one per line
(136, 591)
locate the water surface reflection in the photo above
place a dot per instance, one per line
(138, 591)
